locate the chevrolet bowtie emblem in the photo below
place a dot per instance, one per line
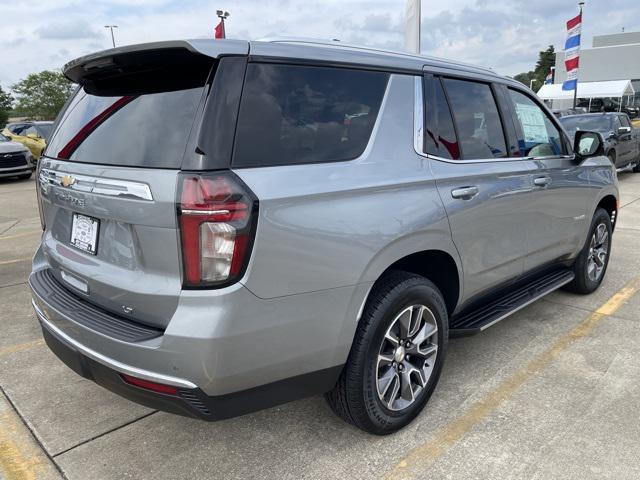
(67, 181)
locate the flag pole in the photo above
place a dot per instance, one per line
(575, 92)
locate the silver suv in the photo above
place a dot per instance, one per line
(231, 225)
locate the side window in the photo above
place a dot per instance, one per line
(617, 122)
(476, 115)
(30, 129)
(297, 114)
(539, 137)
(625, 121)
(16, 129)
(440, 134)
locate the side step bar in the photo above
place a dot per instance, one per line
(475, 321)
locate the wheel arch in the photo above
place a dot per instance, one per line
(610, 204)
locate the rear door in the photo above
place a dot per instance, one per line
(626, 140)
(561, 192)
(485, 190)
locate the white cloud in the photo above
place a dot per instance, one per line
(503, 34)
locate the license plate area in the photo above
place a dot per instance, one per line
(84, 233)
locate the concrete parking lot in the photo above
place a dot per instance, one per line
(551, 392)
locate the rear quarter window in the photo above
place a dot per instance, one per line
(298, 114)
(149, 130)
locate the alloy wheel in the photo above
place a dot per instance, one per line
(406, 357)
(598, 251)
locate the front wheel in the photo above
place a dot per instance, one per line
(591, 265)
(396, 356)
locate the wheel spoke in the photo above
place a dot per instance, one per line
(404, 321)
(406, 390)
(385, 381)
(394, 391)
(391, 338)
(427, 331)
(428, 351)
(416, 319)
(384, 360)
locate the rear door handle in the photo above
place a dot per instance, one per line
(465, 192)
(541, 181)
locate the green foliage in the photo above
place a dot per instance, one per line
(546, 60)
(42, 95)
(5, 107)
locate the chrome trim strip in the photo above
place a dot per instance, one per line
(109, 362)
(100, 186)
(204, 212)
(418, 117)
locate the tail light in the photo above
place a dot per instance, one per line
(217, 216)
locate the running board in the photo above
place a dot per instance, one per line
(627, 168)
(483, 317)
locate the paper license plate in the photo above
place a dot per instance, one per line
(84, 233)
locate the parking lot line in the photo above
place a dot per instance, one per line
(20, 347)
(423, 455)
(15, 260)
(20, 459)
(20, 235)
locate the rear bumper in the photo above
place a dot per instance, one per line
(233, 351)
(190, 401)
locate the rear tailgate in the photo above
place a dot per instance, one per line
(109, 175)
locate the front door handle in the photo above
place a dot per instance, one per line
(465, 192)
(541, 181)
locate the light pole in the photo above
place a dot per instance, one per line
(575, 92)
(111, 27)
(531, 83)
(223, 16)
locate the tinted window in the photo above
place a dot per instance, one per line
(44, 130)
(142, 131)
(540, 137)
(294, 114)
(476, 115)
(625, 121)
(440, 135)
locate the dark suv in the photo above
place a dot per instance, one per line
(230, 225)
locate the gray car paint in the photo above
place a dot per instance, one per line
(325, 233)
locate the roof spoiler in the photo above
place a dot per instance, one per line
(150, 67)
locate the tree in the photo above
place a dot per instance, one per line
(42, 95)
(546, 60)
(5, 107)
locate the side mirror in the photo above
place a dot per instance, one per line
(623, 130)
(588, 144)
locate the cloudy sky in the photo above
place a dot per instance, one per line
(505, 35)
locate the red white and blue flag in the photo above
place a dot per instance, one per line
(572, 52)
(548, 80)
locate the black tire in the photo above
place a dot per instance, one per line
(636, 169)
(583, 283)
(355, 397)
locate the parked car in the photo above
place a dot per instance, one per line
(622, 140)
(608, 105)
(15, 159)
(31, 134)
(231, 225)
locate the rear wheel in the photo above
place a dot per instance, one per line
(396, 357)
(591, 265)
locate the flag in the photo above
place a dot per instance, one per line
(219, 32)
(412, 26)
(548, 80)
(572, 52)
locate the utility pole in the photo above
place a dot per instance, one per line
(575, 92)
(223, 16)
(111, 27)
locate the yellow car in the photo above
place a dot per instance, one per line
(32, 135)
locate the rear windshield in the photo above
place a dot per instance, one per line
(585, 122)
(148, 130)
(298, 114)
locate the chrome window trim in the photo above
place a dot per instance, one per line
(98, 185)
(418, 138)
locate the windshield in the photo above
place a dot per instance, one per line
(599, 123)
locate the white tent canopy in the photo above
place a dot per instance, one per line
(612, 88)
